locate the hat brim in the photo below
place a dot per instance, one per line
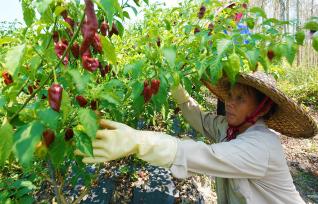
(289, 118)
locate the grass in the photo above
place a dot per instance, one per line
(299, 83)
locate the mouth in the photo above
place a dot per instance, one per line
(229, 114)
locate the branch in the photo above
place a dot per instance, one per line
(50, 75)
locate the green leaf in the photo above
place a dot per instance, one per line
(66, 106)
(137, 89)
(2, 101)
(315, 41)
(110, 97)
(42, 5)
(49, 118)
(108, 50)
(258, 11)
(83, 143)
(28, 12)
(25, 139)
(216, 72)
(13, 59)
(252, 57)
(57, 150)
(134, 69)
(170, 55)
(311, 25)
(6, 142)
(80, 82)
(110, 7)
(222, 46)
(232, 67)
(290, 51)
(88, 119)
(300, 37)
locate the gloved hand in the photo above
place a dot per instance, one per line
(179, 94)
(117, 140)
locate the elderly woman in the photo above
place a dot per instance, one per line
(247, 157)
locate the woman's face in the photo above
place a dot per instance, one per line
(239, 104)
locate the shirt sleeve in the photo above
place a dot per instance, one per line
(207, 123)
(244, 157)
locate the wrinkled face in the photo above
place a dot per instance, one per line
(240, 103)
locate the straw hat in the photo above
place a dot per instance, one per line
(289, 118)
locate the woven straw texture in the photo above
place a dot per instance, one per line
(289, 118)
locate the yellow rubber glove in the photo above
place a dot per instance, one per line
(118, 140)
(179, 94)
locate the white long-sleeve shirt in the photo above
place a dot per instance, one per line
(250, 169)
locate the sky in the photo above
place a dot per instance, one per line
(11, 10)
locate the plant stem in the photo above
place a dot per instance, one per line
(52, 174)
(50, 75)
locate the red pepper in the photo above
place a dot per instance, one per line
(155, 86)
(64, 14)
(30, 89)
(88, 62)
(75, 50)
(270, 54)
(93, 104)
(60, 48)
(147, 92)
(55, 36)
(81, 101)
(7, 78)
(55, 96)
(69, 133)
(104, 27)
(97, 44)
(48, 136)
(114, 30)
(89, 27)
(104, 71)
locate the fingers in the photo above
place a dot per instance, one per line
(109, 124)
(103, 134)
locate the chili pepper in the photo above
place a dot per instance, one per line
(48, 137)
(69, 133)
(64, 14)
(155, 86)
(89, 27)
(81, 101)
(158, 42)
(114, 30)
(201, 12)
(55, 36)
(7, 78)
(89, 63)
(196, 30)
(60, 48)
(270, 54)
(147, 92)
(55, 96)
(97, 44)
(104, 27)
(30, 89)
(75, 50)
(93, 104)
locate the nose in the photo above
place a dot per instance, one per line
(229, 103)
